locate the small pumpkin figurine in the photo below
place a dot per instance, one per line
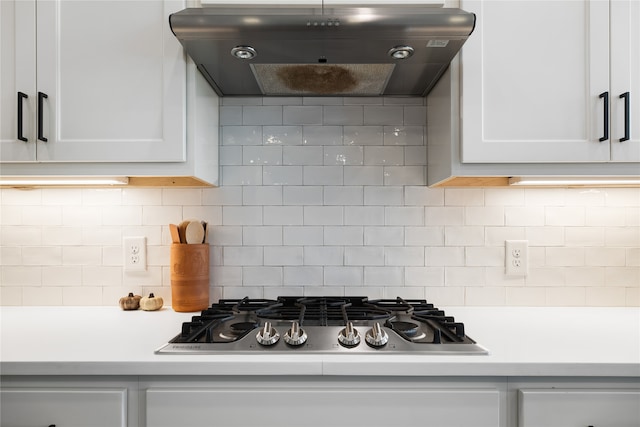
(130, 302)
(151, 303)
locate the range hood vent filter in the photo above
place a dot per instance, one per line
(322, 79)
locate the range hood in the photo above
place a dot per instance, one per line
(315, 51)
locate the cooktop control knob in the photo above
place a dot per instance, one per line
(376, 336)
(295, 335)
(267, 335)
(349, 336)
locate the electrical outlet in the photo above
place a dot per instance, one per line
(516, 257)
(135, 253)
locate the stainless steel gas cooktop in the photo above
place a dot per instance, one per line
(324, 325)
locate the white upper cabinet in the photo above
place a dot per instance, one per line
(105, 81)
(625, 80)
(538, 86)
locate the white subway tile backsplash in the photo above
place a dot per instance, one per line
(262, 276)
(403, 135)
(404, 255)
(47, 255)
(323, 255)
(59, 275)
(524, 216)
(383, 196)
(322, 175)
(383, 156)
(363, 175)
(384, 276)
(384, 236)
(343, 236)
(303, 236)
(383, 115)
(423, 196)
(282, 175)
(283, 215)
(222, 196)
(42, 215)
(262, 236)
(343, 276)
(20, 235)
(262, 155)
(345, 155)
(322, 135)
(302, 195)
(241, 175)
(303, 155)
(303, 276)
(282, 135)
(351, 115)
(424, 276)
(21, 275)
(241, 135)
(283, 255)
(262, 115)
(364, 255)
(406, 215)
(242, 215)
(323, 215)
(343, 195)
(302, 115)
(405, 175)
(364, 215)
(363, 135)
(261, 195)
(327, 196)
(230, 115)
(243, 255)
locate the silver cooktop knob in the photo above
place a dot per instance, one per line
(295, 335)
(376, 336)
(267, 335)
(349, 336)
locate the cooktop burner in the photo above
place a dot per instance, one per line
(322, 325)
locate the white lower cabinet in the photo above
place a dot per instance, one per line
(578, 408)
(309, 406)
(64, 407)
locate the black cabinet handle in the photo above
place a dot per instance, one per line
(627, 123)
(41, 98)
(605, 95)
(21, 96)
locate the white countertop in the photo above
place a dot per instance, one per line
(521, 342)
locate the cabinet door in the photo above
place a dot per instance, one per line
(18, 74)
(532, 72)
(625, 77)
(579, 408)
(64, 407)
(169, 407)
(115, 80)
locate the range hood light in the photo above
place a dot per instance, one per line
(244, 52)
(401, 52)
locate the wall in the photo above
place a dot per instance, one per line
(327, 196)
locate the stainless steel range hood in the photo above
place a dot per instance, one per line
(337, 51)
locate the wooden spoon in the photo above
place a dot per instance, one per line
(175, 234)
(182, 230)
(194, 233)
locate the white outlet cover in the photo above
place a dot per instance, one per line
(516, 257)
(134, 253)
